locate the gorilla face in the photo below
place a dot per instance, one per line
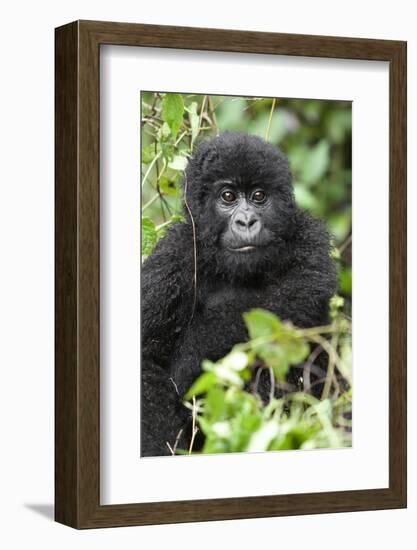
(241, 197)
(246, 213)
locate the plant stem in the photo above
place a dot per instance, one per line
(200, 119)
(151, 165)
(151, 201)
(162, 225)
(213, 115)
(333, 358)
(194, 427)
(268, 128)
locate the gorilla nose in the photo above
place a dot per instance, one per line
(247, 223)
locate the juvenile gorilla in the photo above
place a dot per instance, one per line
(254, 248)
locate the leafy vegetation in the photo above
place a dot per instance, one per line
(234, 419)
(316, 136)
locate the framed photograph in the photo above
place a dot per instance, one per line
(230, 274)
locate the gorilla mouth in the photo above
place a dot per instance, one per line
(247, 248)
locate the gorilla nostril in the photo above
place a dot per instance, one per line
(247, 224)
(240, 222)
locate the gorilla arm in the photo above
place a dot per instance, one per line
(167, 291)
(303, 297)
(305, 290)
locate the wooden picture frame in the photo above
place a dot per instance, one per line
(77, 382)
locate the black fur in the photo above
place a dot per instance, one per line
(294, 278)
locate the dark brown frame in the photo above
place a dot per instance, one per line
(77, 274)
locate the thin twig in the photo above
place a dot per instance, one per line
(272, 388)
(194, 247)
(162, 225)
(151, 165)
(194, 428)
(285, 387)
(156, 157)
(151, 122)
(200, 119)
(333, 358)
(256, 381)
(177, 440)
(174, 448)
(307, 367)
(268, 128)
(345, 244)
(175, 385)
(158, 188)
(151, 201)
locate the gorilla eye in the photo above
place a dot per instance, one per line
(259, 196)
(228, 196)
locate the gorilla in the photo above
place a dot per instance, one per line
(244, 244)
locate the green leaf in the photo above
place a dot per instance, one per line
(194, 121)
(203, 383)
(262, 438)
(279, 356)
(179, 162)
(286, 347)
(274, 356)
(164, 132)
(215, 405)
(345, 280)
(149, 236)
(296, 350)
(227, 375)
(172, 112)
(305, 198)
(148, 154)
(236, 360)
(221, 429)
(167, 151)
(168, 186)
(316, 162)
(261, 322)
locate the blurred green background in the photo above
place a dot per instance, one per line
(315, 134)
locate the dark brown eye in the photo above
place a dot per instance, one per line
(258, 196)
(228, 196)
